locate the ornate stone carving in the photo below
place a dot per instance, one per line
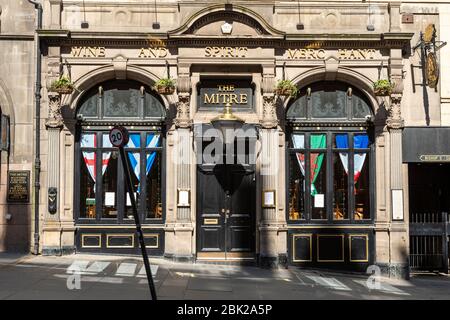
(269, 116)
(395, 120)
(55, 119)
(183, 119)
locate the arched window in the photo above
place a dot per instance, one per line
(330, 155)
(121, 100)
(329, 101)
(101, 196)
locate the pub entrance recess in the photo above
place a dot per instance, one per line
(226, 212)
(226, 195)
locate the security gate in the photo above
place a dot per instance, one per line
(429, 241)
(429, 205)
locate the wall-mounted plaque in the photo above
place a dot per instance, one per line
(214, 94)
(184, 198)
(18, 186)
(397, 204)
(268, 199)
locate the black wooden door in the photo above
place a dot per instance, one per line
(225, 209)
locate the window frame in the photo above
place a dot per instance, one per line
(98, 93)
(329, 151)
(330, 87)
(120, 190)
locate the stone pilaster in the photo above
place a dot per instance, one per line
(269, 172)
(397, 233)
(181, 230)
(52, 224)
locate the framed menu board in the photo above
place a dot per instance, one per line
(18, 186)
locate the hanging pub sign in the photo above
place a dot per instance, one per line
(432, 70)
(214, 94)
(18, 186)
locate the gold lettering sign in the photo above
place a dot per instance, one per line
(320, 54)
(226, 52)
(153, 52)
(216, 93)
(225, 95)
(89, 52)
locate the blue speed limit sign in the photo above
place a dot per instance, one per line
(118, 136)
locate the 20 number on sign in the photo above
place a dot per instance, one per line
(118, 136)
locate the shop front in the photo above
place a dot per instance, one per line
(302, 180)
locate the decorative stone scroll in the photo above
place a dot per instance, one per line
(183, 119)
(395, 120)
(55, 119)
(269, 116)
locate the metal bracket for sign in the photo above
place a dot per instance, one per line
(119, 137)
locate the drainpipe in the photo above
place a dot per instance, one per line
(37, 95)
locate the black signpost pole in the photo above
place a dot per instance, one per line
(126, 169)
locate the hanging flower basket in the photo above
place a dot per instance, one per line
(165, 86)
(382, 87)
(62, 86)
(286, 88)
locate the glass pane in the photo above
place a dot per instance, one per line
(121, 102)
(361, 141)
(298, 141)
(88, 140)
(318, 141)
(87, 186)
(329, 104)
(153, 196)
(106, 141)
(89, 107)
(360, 107)
(362, 192)
(153, 140)
(297, 186)
(135, 141)
(135, 168)
(318, 185)
(340, 141)
(297, 109)
(152, 107)
(109, 181)
(340, 186)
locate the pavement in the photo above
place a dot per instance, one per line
(95, 277)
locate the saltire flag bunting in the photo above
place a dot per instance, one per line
(152, 141)
(317, 142)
